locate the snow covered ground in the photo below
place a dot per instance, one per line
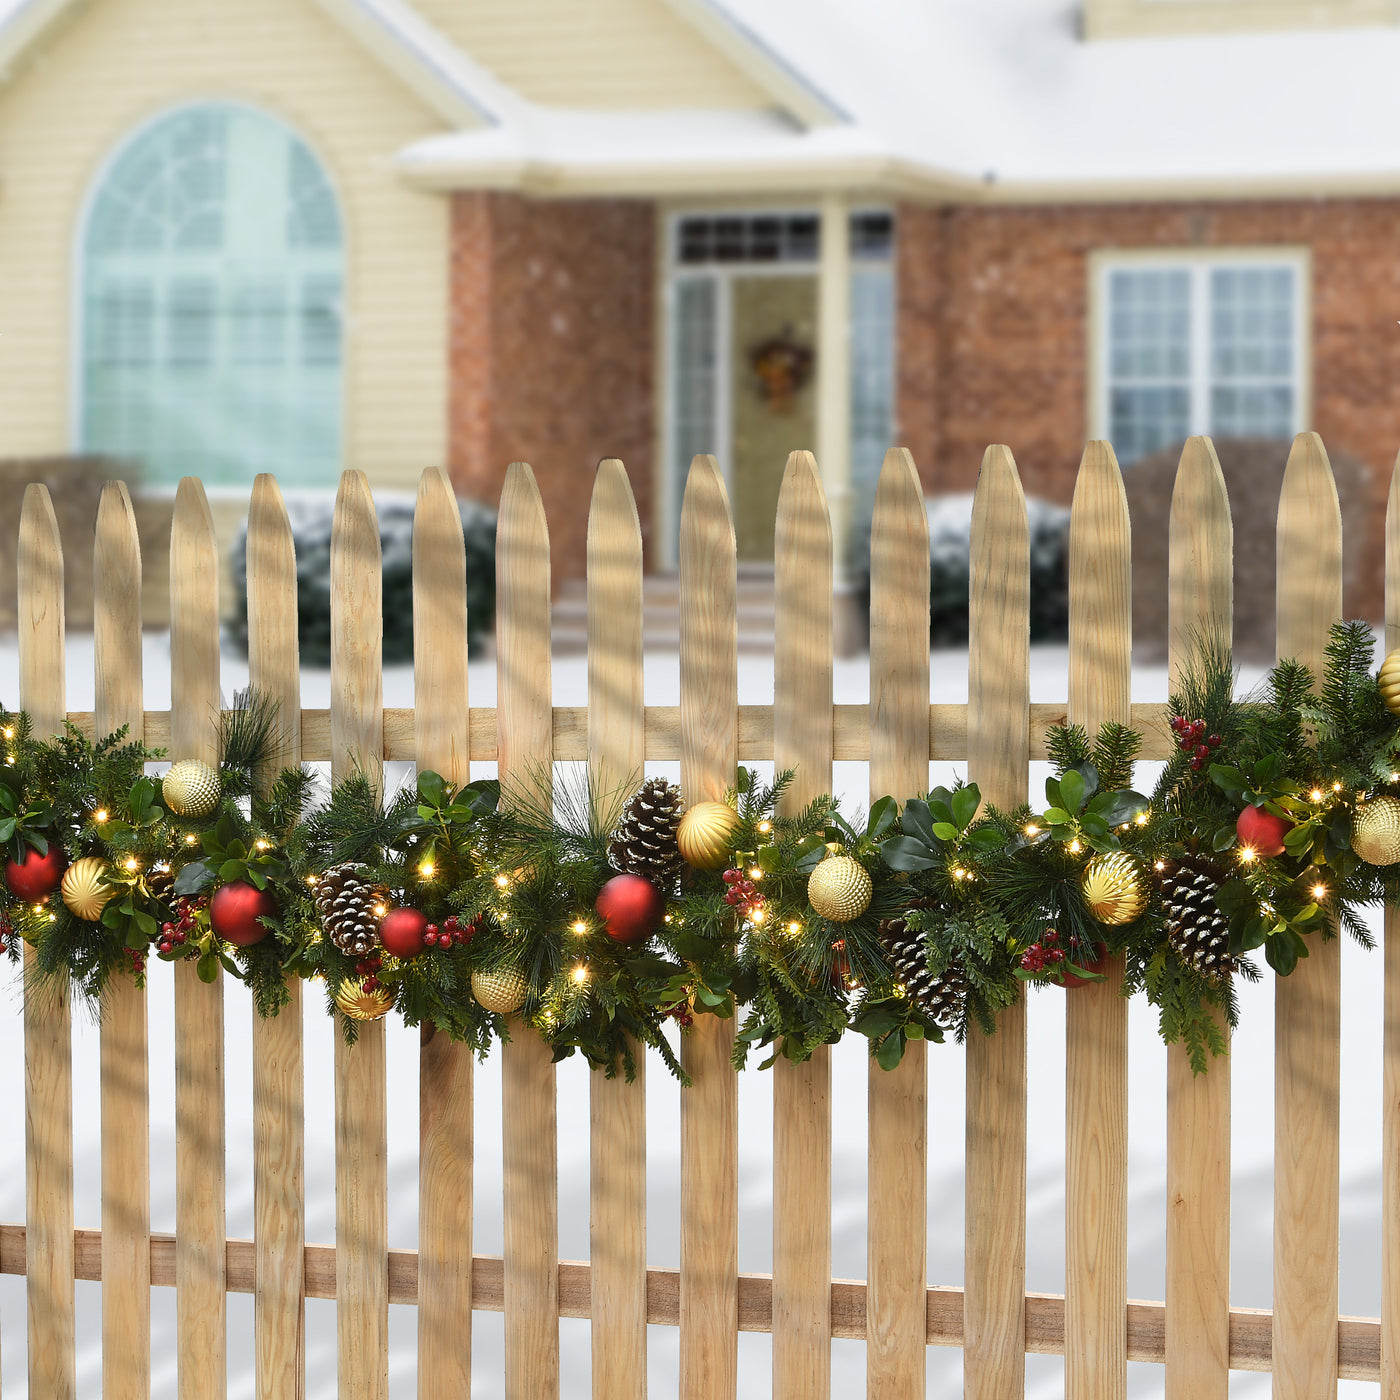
(1252, 1129)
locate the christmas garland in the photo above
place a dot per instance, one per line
(600, 919)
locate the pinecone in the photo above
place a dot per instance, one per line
(1196, 929)
(941, 998)
(160, 885)
(645, 840)
(346, 902)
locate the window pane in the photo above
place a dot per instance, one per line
(1148, 358)
(1252, 358)
(1143, 420)
(872, 378)
(695, 380)
(191, 313)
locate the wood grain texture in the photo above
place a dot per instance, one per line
(201, 1317)
(361, 1109)
(279, 1211)
(898, 1099)
(617, 1130)
(998, 741)
(529, 1137)
(48, 1017)
(1096, 1030)
(709, 1298)
(126, 1133)
(444, 1066)
(1307, 1004)
(1200, 595)
(802, 741)
(1390, 1088)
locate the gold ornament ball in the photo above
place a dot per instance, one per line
(1114, 888)
(84, 890)
(839, 889)
(191, 789)
(1375, 831)
(502, 991)
(1389, 682)
(361, 1004)
(705, 836)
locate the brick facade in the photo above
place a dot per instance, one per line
(552, 352)
(993, 341)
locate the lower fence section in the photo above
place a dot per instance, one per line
(1251, 1329)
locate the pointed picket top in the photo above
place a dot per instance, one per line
(194, 625)
(802, 652)
(616, 716)
(441, 723)
(522, 627)
(1200, 578)
(274, 659)
(1100, 592)
(1392, 561)
(1309, 553)
(357, 630)
(41, 617)
(116, 613)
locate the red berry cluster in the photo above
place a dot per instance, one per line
(1191, 738)
(742, 892)
(1043, 953)
(175, 935)
(452, 932)
(9, 939)
(681, 1012)
(138, 961)
(367, 967)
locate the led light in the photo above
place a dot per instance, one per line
(38, 908)
(899, 989)
(1032, 829)
(794, 927)
(260, 844)
(1160, 865)
(959, 873)
(765, 827)
(191, 839)
(1336, 787)
(580, 927)
(53, 918)
(380, 911)
(1316, 794)
(1246, 854)
(1141, 819)
(426, 869)
(502, 881)
(100, 815)
(130, 862)
(311, 879)
(9, 731)
(1319, 891)
(755, 873)
(757, 916)
(668, 918)
(1395, 777)
(580, 974)
(1075, 847)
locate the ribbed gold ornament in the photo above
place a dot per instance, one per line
(839, 889)
(705, 835)
(191, 788)
(502, 991)
(83, 889)
(1389, 680)
(1375, 831)
(361, 1004)
(1114, 888)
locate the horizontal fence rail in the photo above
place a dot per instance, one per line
(1194, 1333)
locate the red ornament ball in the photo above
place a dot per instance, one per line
(36, 876)
(631, 907)
(401, 931)
(1097, 964)
(235, 909)
(1262, 831)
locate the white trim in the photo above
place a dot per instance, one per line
(1198, 261)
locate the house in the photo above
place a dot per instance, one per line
(297, 235)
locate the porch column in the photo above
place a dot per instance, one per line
(834, 408)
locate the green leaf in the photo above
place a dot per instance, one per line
(1052, 793)
(1124, 806)
(917, 820)
(7, 828)
(891, 1050)
(208, 966)
(1224, 838)
(882, 817)
(908, 853)
(146, 924)
(1073, 790)
(945, 831)
(193, 877)
(966, 801)
(1057, 816)
(987, 837)
(432, 788)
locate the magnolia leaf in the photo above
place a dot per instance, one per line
(917, 820)
(966, 801)
(909, 853)
(882, 817)
(1073, 790)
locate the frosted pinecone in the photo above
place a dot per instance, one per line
(941, 997)
(645, 840)
(350, 908)
(1197, 930)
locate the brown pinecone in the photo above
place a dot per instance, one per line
(347, 904)
(160, 885)
(1197, 930)
(645, 840)
(941, 997)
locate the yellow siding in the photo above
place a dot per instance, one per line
(594, 53)
(116, 63)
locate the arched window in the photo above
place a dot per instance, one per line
(212, 266)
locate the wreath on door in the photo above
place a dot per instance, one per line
(782, 368)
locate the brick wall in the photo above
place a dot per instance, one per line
(993, 335)
(552, 352)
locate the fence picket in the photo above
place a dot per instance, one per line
(802, 741)
(200, 1296)
(998, 723)
(529, 1137)
(1390, 1092)
(279, 1211)
(1200, 589)
(709, 672)
(361, 1109)
(126, 1131)
(48, 1017)
(617, 1129)
(1096, 1016)
(896, 1305)
(1307, 1004)
(442, 722)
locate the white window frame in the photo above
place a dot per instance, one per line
(1200, 263)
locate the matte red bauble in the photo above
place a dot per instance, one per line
(1262, 831)
(631, 907)
(1095, 964)
(401, 931)
(36, 876)
(235, 910)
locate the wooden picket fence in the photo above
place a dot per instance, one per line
(1195, 1333)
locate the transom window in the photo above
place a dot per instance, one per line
(212, 283)
(1199, 345)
